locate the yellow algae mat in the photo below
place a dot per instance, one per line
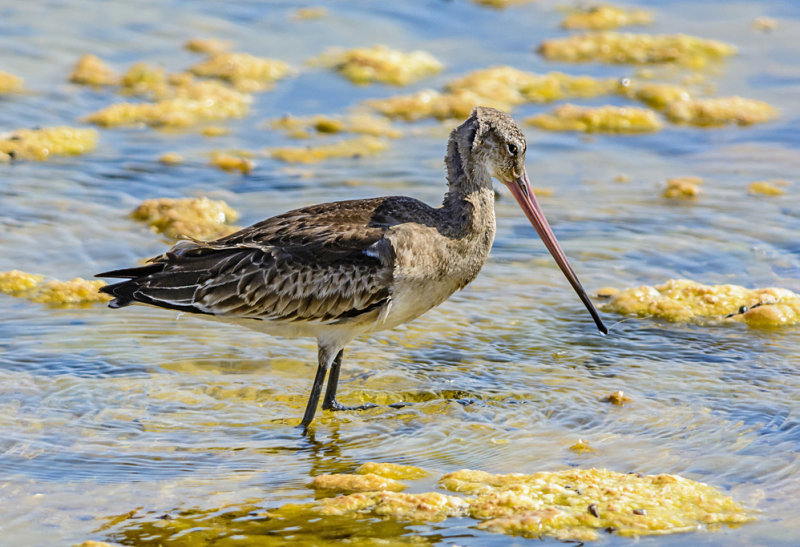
(576, 504)
(686, 300)
(56, 293)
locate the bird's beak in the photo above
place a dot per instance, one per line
(521, 188)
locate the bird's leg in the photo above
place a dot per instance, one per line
(316, 389)
(330, 402)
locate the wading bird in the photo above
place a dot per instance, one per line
(340, 270)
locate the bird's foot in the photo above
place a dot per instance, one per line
(336, 405)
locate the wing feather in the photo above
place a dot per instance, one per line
(326, 263)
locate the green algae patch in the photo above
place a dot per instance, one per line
(149, 81)
(614, 47)
(764, 24)
(215, 131)
(513, 86)
(606, 17)
(306, 14)
(343, 482)
(209, 46)
(426, 507)
(171, 158)
(76, 291)
(380, 64)
(55, 293)
(10, 83)
(682, 188)
(604, 119)
(616, 398)
(232, 162)
(41, 144)
(350, 148)
(654, 95)
(295, 524)
(16, 281)
(197, 218)
(578, 504)
(244, 71)
(684, 300)
(582, 446)
(190, 102)
(91, 70)
(392, 470)
(767, 188)
(433, 104)
(501, 4)
(720, 111)
(363, 124)
(502, 87)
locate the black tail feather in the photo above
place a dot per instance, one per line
(122, 293)
(130, 273)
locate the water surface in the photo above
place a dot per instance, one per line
(139, 411)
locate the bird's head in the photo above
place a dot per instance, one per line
(491, 143)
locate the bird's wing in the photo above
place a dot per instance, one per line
(325, 263)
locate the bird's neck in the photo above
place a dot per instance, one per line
(469, 202)
(465, 176)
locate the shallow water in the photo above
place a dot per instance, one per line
(141, 413)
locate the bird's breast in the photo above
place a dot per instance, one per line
(430, 266)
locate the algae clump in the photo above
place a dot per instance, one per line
(392, 470)
(232, 162)
(380, 64)
(682, 188)
(17, 281)
(208, 46)
(363, 124)
(433, 104)
(76, 291)
(41, 144)
(576, 504)
(360, 146)
(91, 70)
(606, 17)
(605, 119)
(500, 87)
(189, 103)
(171, 158)
(367, 482)
(305, 14)
(685, 300)
(655, 95)
(244, 71)
(720, 111)
(614, 47)
(10, 83)
(58, 293)
(501, 4)
(767, 188)
(512, 86)
(197, 218)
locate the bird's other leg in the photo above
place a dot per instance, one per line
(330, 402)
(324, 356)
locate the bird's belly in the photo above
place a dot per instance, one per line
(412, 299)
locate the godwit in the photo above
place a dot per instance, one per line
(338, 270)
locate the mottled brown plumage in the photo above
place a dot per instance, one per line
(339, 270)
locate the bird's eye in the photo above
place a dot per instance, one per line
(512, 148)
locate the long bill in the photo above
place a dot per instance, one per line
(521, 188)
